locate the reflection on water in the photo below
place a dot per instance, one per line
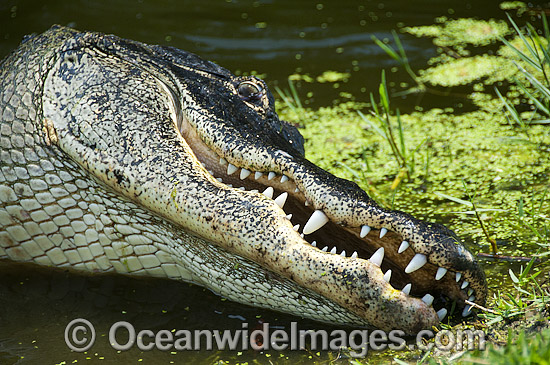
(37, 304)
(275, 38)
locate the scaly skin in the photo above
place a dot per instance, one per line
(121, 157)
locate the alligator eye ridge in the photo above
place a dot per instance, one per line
(249, 91)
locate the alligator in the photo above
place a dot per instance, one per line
(123, 157)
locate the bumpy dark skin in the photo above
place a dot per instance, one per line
(185, 171)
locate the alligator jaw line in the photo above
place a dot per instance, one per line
(393, 278)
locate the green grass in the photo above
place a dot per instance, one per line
(534, 53)
(387, 130)
(519, 349)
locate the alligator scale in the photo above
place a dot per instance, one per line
(118, 156)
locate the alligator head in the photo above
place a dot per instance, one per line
(187, 147)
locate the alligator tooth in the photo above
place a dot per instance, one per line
(268, 192)
(306, 203)
(325, 248)
(470, 291)
(302, 235)
(377, 257)
(333, 251)
(354, 255)
(210, 172)
(271, 175)
(316, 221)
(257, 175)
(254, 191)
(230, 185)
(289, 217)
(219, 179)
(223, 161)
(387, 276)
(466, 311)
(244, 174)
(441, 313)
(343, 253)
(296, 227)
(297, 190)
(231, 169)
(407, 289)
(428, 299)
(281, 199)
(464, 284)
(403, 246)
(383, 232)
(458, 276)
(364, 231)
(284, 178)
(242, 188)
(472, 298)
(314, 243)
(440, 273)
(416, 263)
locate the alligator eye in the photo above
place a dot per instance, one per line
(249, 91)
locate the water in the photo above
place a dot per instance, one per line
(274, 38)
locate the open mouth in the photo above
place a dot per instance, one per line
(386, 246)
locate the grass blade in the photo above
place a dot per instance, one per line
(456, 200)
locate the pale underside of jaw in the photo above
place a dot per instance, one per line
(285, 193)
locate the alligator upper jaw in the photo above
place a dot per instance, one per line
(342, 230)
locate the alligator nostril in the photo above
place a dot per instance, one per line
(70, 58)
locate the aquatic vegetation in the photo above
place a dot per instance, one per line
(403, 157)
(521, 65)
(333, 76)
(533, 52)
(512, 5)
(326, 76)
(523, 348)
(464, 71)
(401, 57)
(457, 33)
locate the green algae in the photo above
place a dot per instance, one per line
(465, 59)
(512, 5)
(459, 32)
(333, 76)
(517, 43)
(328, 76)
(466, 70)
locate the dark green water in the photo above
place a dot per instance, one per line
(274, 38)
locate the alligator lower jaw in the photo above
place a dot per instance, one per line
(406, 271)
